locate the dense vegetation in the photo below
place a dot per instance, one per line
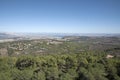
(83, 66)
(74, 59)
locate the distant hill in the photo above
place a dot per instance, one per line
(49, 35)
(6, 36)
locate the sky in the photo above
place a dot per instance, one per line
(60, 16)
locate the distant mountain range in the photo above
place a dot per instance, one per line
(49, 35)
(6, 36)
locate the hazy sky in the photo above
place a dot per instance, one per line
(64, 16)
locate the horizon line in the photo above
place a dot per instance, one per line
(63, 32)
